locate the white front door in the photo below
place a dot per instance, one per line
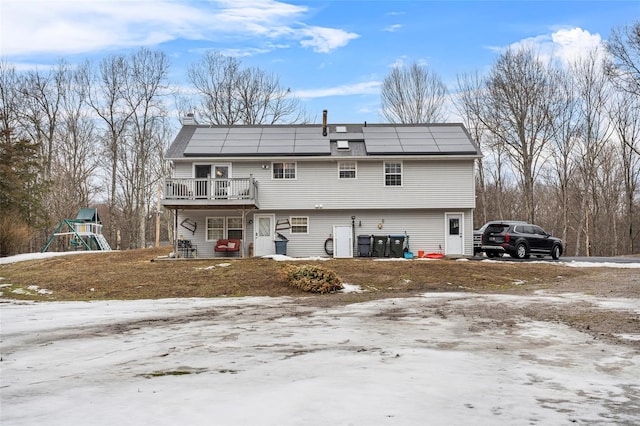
(263, 234)
(455, 240)
(342, 241)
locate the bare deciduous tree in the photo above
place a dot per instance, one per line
(230, 94)
(592, 89)
(562, 148)
(76, 159)
(413, 95)
(624, 66)
(521, 99)
(140, 163)
(42, 94)
(626, 120)
(107, 98)
(468, 102)
(10, 98)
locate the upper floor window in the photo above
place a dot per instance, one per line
(347, 169)
(284, 170)
(299, 225)
(392, 174)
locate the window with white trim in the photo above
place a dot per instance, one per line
(284, 170)
(299, 225)
(219, 228)
(234, 227)
(393, 173)
(215, 228)
(347, 169)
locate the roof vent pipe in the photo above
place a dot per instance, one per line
(324, 122)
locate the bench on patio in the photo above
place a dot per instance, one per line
(228, 246)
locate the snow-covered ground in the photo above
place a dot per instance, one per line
(273, 361)
(281, 361)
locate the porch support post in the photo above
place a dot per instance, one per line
(175, 233)
(244, 231)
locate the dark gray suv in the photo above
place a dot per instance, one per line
(520, 240)
(477, 234)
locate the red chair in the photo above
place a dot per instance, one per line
(228, 246)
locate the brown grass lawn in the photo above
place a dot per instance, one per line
(140, 274)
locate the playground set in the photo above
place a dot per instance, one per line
(82, 233)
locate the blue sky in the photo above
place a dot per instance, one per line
(332, 54)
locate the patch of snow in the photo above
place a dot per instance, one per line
(283, 258)
(351, 288)
(576, 264)
(224, 265)
(273, 361)
(39, 290)
(631, 337)
(390, 259)
(47, 255)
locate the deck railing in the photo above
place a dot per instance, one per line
(211, 189)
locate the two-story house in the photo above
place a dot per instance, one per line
(322, 187)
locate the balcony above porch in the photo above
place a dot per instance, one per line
(209, 193)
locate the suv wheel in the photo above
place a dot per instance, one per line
(555, 252)
(521, 251)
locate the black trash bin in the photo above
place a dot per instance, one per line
(364, 245)
(281, 244)
(379, 246)
(396, 245)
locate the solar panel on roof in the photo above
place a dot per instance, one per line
(203, 150)
(275, 149)
(239, 150)
(308, 140)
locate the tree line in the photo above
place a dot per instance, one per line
(560, 142)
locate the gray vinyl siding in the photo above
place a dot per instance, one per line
(431, 184)
(198, 238)
(182, 169)
(425, 185)
(425, 228)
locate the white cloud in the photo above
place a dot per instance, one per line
(392, 28)
(60, 27)
(571, 44)
(565, 45)
(324, 40)
(399, 63)
(364, 88)
(32, 27)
